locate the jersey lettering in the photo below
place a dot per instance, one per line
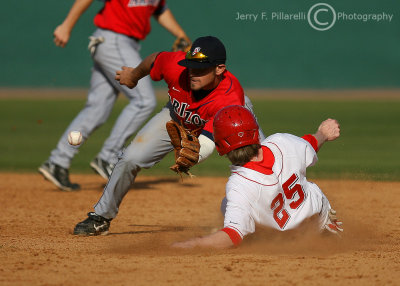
(290, 188)
(280, 216)
(182, 111)
(196, 119)
(141, 3)
(189, 116)
(175, 106)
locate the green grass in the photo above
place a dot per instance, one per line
(369, 147)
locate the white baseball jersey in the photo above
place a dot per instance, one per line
(281, 197)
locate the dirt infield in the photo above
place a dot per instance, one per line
(37, 248)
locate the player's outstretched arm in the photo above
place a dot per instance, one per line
(217, 239)
(168, 22)
(328, 130)
(63, 32)
(130, 76)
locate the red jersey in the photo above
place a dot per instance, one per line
(129, 17)
(194, 113)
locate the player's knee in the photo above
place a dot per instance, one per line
(127, 166)
(149, 104)
(131, 159)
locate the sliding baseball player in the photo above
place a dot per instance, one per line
(268, 184)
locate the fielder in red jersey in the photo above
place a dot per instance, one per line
(129, 17)
(199, 86)
(121, 25)
(189, 106)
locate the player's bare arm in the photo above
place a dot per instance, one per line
(168, 22)
(130, 76)
(328, 130)
(217, 239)
(63, 32)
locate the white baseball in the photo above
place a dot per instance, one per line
(75, 138)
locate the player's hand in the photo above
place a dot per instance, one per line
(61, 36)
(333, 224)
(127, 77)
(329, 129)
(181, 44)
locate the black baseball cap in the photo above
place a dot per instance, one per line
(205, 52)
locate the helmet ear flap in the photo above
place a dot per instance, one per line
(234, 127)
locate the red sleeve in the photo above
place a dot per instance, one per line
(233, 235)
(312, 140)
(166, 67)
(156, 72)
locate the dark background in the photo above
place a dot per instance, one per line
(262, 54)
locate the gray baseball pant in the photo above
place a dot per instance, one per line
(150, 145)
(116, 51)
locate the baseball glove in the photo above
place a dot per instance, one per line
(181, 44)
(186, 146)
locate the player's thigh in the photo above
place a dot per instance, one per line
(318, 199)
(143, 92)
(102, 94)
(119, 50)
(151, 143)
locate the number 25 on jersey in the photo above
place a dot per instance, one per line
(290, 188)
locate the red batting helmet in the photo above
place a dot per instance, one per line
(234, 126)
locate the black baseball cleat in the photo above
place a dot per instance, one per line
(101, 167)
(59, 176)
(93, 225)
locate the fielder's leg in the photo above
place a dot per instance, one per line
(150, 145)
(100, 101)
(99, 104)
(142, 98)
